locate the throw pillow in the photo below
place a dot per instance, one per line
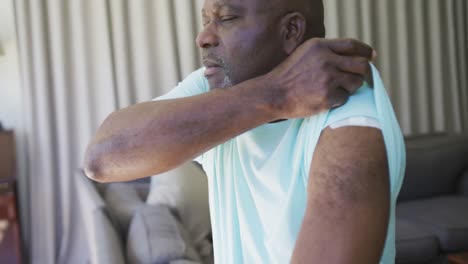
(122, 200)
(185, 190)
(156, 236)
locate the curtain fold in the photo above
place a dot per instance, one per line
(83, 59)
(422, 47)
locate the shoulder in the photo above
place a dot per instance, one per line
(360, 104)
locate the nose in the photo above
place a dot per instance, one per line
(207, 38)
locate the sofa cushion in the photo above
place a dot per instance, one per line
(463, 184)
(447, 217)
(434, 166)
(156, 236)
(104, 243)
(413, 244)
(122, 200)
(185, 191)
(183, 261)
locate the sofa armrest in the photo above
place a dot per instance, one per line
(88, 195)
(463, 184)
(103, 241)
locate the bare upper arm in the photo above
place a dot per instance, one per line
(348, 199)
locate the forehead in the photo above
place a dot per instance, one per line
(237, 5)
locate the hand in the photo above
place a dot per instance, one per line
(319, 75)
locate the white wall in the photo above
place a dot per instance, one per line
(10, 92)
(11, 108)
(10, 88)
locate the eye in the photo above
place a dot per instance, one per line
(226, 19)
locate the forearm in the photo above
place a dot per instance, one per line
(153, 137)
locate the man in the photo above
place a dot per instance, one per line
(289, 181)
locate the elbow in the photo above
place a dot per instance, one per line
(94, 167)
(95, 174)
(104, 154)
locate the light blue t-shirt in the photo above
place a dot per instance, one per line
(258, 180)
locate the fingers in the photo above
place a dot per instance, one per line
(350, 82)
(356, 65)
(353, 57)
(345, 85)
(338, 97)
(350, 47)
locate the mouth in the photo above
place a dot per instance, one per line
(212, 68)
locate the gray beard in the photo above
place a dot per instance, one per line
(227, 82)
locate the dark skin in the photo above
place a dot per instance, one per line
(272, 66)
(348, 205)
(233, 33)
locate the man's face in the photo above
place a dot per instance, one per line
(240, 40)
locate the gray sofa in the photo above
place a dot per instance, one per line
(432, 209)
(122, 228)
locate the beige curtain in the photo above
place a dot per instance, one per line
(82, 59)
(422, 46)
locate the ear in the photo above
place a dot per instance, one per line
(293, 28)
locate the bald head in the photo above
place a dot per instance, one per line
(313, 12)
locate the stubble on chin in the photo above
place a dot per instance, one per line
(227, 82)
